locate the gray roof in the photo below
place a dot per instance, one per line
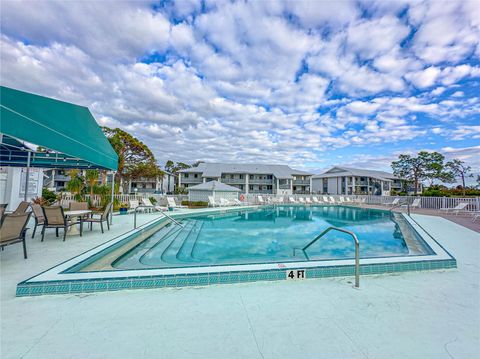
(214, 186)
(357, 172)
(216, 169)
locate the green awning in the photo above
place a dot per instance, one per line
(60, 126)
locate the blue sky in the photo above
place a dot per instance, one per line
(310, 84)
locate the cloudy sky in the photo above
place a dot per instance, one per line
(311, 84)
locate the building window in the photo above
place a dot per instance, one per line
(240, 176)
(251, 176)
(186, 175)
(232, 176)
(251, 187)
(325, 185)
(195, 175)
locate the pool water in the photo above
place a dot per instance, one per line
(270, 235)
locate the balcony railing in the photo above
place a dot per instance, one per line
(192, 180)
(263, 191)
(233, 180)
(284, 186)
(260, 180)
(301, 182)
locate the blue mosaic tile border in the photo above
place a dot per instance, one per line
(185, 280)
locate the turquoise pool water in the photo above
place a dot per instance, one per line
(270, 234)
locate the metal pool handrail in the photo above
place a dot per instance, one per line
(166, 215)
(357, 249)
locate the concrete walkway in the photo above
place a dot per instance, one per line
(410, 315)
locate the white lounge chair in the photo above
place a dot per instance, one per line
(260, 200)
(332, 200)
(146, 202)
(456, 209)
(301, 200)
(292, 200)
(415, 204)
(237, 202)
(315, 200)
(134, 204)
(395, 202)
(225, 203)
(171, 203)
(476, 215)
(325, 199)
(308, 200)
(280, 199)
(341, 200)
(212, 202)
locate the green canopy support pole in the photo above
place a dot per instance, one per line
(27, 176)
(113, 196)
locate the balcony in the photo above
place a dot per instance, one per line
(301, 182)
(233, 180)
(192, 180)
(263, 191)
(284, 186)
(260, 181)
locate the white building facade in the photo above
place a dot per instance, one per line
(249, 178)
(355, 181)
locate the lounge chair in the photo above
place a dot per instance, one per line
(13, 230)
(301, 200)
(212, 202)
(292, 200)
(171, 203)
(348, 200)
(103, 217)
(225, 203)
(395, 202)
(315, 200)
(476, 215)
(341, 200)
(280, 200)
(456, 209)
(415, 204)
(325, 199)
(38, 216)
(260, 200)
(332, 200)
(237, 202)
(308, 200)
(22, 207)
(55, 218)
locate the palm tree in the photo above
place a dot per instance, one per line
(92, 178)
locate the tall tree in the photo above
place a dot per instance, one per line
(426, 166)
(91, 177)
(459, 169)
(135, 159)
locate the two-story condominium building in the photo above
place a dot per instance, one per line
(350, 181)
(250, 178)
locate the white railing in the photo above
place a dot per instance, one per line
(434, 203)
(122, 198)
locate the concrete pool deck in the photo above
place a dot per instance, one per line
(434, 314)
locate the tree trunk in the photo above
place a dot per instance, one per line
(415, 185)
(463, 184)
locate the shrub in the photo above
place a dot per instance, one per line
(153, 200)
(49, 197)
(195, 203)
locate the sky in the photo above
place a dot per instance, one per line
(308, 84)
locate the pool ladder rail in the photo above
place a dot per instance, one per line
(357, 249)
(150, 207)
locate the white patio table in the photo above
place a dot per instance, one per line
(73, 215)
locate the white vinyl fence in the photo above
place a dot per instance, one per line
(434, 203)
(123, 198)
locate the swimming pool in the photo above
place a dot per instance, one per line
(270, 235)
(233, 245)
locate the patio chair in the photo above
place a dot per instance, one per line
(341, 200)
(260, 200)
(348, 200)
(280, 200)
(171, 203)
(460, 207)
(38, 217)
(332, 200)
(55, 218)
(22, 207)
(301, 200)
(79, 206)
(13, 230)
(315, 200)
(308, 200)
(325, 199)
(292, 200)
(237, 202)
(103, 217)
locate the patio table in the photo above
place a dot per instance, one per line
(73, 215)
